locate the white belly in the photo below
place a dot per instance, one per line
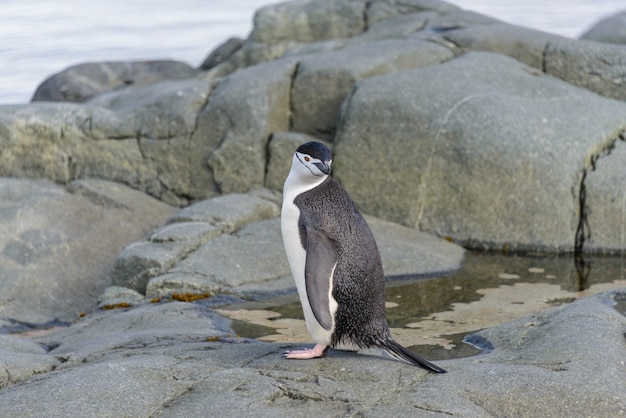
(297, 260)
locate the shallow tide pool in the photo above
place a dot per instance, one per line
(432, 315)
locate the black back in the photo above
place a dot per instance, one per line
(358, 283)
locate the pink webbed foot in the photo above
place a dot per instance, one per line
(318, 351)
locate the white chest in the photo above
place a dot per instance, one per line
(296, 255)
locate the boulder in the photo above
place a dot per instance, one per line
(296, 28)
(160, 122)
(138, 136)
(186, 231)
(523, 44)
(20, 359)
(239, 118)
(308, 21)
(221, 53)
(458, 132)
(323, 80)
(605, 202)
(595, 66)
(102, 367)
(38, 140)
(83, 81)
(611, 29)
(58, 246)
(381, 10)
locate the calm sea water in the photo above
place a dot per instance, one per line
(41, 37)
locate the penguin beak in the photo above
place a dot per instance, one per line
(324, 167)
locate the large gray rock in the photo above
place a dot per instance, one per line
(239, 118)
(83, 81)
(186, 231)
(221, 53)
(20, 359)
(308, 21)
(482, 149)
(57, 247)
(38, 140)
(323, 80)
(165, 359)
(142, 137)
(595, 66)
(523, 44)
(611, 29)
(381, 10)
(605, 202)
(105, 350)
(281, 27)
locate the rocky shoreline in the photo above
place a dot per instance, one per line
(127, 188)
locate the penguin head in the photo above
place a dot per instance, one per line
(312, 159)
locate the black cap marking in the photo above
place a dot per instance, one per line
(316, 150)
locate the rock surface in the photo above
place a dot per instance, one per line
(471, 145)
(57, 247)
(611, 29)
(176, 359)
(84, 81)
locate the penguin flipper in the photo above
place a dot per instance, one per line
(321, 258)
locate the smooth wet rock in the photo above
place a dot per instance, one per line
(57, 247)
(83, 81)
(578, 373)
(458, 132)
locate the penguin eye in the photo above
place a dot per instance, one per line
(307, 159)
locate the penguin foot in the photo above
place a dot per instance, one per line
(318, 351)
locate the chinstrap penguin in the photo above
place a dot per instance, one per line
(335, 262)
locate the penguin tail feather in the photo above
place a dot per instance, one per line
(399, 352)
